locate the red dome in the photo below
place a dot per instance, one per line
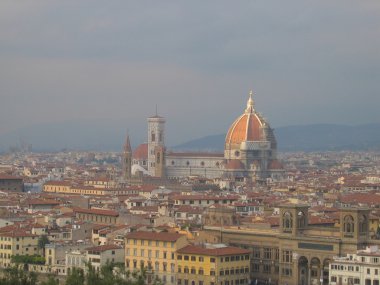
(141, 152)
(245, 128)
(234, 164)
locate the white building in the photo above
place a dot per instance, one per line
(362, 268)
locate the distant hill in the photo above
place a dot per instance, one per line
(320, 137)
(109, 135)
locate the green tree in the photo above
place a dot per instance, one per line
(75, 277)
(16, 276)
(42, 241)
(109, 274)
(51, 281)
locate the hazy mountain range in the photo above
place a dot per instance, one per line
(110, 135)
(319, 137)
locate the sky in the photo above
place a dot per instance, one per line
(307, 62)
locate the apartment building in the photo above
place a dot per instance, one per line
(212, 264)
(17, 242)
(156, 252)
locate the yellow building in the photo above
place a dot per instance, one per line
(212, 265)
(156, 252)
(17, 242)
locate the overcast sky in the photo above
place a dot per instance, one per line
(307, 62)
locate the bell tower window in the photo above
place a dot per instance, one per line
(348, 226)
(287, 222)
(153, 137)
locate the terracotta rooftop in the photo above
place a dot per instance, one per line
(102, 248)
(154, 236)
(97, 212)
(141, 152)
(229, 250)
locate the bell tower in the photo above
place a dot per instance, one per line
(127, 159)
(293, 219)
(156, 141)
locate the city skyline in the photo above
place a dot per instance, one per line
(306, 63)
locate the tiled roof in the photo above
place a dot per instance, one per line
(42, 202)
(97, 212)
(229, 250)
(141, 152)
(102, 248)
(154, 236)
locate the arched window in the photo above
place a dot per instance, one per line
(158, 158)
(348, 225)
(153, 137)
(301, 219)
(363, 224)
(287, 222)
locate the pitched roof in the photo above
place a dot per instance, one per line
(228, 250)
(97, 212)
(102, 248)
(154, 236)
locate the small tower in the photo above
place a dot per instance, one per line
(293, 219)
(127, 159)
(156, 138)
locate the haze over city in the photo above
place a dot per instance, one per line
(81, 61)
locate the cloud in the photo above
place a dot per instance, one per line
(309, 62)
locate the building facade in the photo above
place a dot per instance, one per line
(156, 252)
(362, 267)
(213, 265)
(295, 253)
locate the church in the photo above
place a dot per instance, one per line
(250, 153)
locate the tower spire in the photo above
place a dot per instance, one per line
(127, 144)
(250, 104)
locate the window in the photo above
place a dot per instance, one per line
(256, 252)
(201, 259)
(186, 257)
(193, 271)
(212, 259)
(333, 279)
(266, 268)
(212, 272)
(267, 253)
(286, 256)
(286, 271)
(193, 258)
(200, 271)
(256, 267)
(179, 257)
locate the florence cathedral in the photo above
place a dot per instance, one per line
(250, 153)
